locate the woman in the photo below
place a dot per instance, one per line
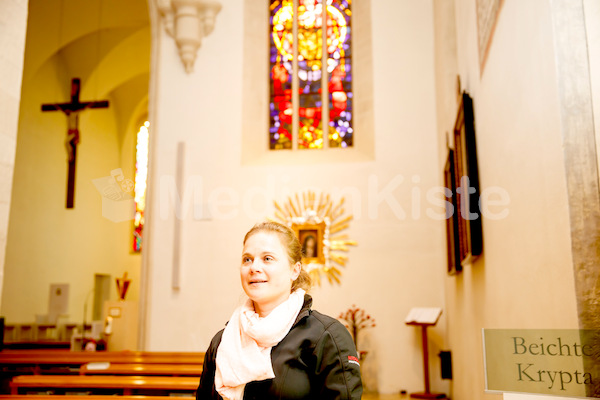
(275, 346)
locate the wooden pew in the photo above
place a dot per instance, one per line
(37, 362)
(141, 369)
(115, 384)
(66, 357)
(74, 397)
(64, 361)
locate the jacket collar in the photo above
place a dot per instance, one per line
(305, 310)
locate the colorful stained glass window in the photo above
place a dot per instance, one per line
(339, 67)
(306, 70)
(281, 74)
(141, 177)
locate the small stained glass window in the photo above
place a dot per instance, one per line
(299, 64)
(141, 177)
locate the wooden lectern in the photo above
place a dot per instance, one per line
(425, 317)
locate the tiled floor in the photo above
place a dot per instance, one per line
(371, 396)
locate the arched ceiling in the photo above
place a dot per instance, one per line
(96, 25)
(105, 43)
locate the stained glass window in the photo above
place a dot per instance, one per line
(299, 64)
(141, 175)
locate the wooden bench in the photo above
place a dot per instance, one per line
(105, 384)
(63, 361)
(66, 357)
(74, 397)
(38, 362)
(141, 369)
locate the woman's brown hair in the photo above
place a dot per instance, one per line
(292, 245)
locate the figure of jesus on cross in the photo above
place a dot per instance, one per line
(72, 111)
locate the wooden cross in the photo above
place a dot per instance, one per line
(72, 110)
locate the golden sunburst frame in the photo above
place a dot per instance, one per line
(318, 225)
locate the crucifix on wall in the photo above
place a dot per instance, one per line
(72, 111)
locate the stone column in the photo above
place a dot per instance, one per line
(581, 168)
(13, 26)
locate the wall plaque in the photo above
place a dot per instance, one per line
(562, 362)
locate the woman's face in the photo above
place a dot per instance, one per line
(266, 272)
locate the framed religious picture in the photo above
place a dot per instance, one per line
(466, 181)
(310, 236)
(452, 237)
(319, 224)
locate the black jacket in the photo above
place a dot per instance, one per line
(315, 360)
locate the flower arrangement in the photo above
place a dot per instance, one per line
(356, 319)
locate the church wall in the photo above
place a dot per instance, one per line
(524, 279)
(48, 243)
(106, 44)
(398, 263)
(13, 22)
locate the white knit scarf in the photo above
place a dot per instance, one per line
(244, 354)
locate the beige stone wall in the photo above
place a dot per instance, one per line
(524, 279)
(13, 22)
(46, 242)
(399, 261)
